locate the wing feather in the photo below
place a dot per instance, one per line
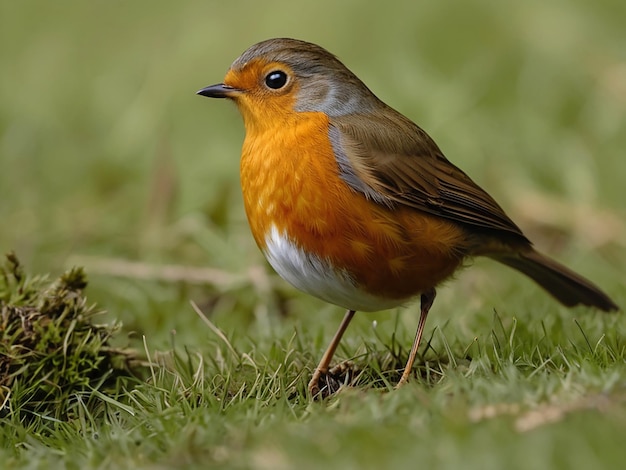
(393, 161)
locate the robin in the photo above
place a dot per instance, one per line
(353, 203)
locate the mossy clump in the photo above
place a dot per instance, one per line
(53, 357)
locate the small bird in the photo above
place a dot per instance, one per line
(353, 203)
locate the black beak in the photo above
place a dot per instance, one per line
(218, 91)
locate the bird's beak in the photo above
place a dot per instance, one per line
(218, 91)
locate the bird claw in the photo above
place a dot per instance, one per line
(325, 384)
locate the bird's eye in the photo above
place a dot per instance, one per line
(276, 79)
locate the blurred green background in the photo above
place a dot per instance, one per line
(106, 152)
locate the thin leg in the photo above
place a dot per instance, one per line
(427, 300)
(322, 367)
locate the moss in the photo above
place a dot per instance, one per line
(52, 353)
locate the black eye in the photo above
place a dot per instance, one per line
(276, 79)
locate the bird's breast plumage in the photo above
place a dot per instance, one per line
(324, 237)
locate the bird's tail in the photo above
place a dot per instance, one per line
(564, 284)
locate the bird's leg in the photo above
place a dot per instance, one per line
(427, 300)
(322, 367)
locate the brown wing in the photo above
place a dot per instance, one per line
(393, 161)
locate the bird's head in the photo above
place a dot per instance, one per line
(278, 77)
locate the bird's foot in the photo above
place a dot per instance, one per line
(323, 384)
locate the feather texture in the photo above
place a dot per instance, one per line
(395, 161)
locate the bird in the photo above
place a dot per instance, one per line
(353, 203)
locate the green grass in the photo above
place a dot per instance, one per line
(107, 157)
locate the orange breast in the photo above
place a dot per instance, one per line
(290, 182)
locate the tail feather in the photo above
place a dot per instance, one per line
(564, 284)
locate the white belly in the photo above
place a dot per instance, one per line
(317, 277)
